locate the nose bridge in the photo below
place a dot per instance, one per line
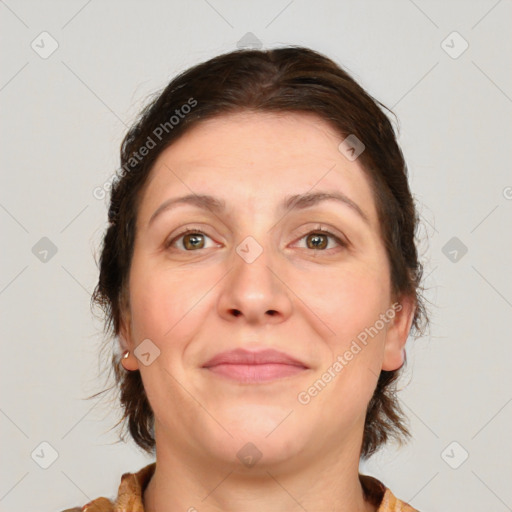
(254, 254)
(252, 263)
(253, 289)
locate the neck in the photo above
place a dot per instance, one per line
(192, 482)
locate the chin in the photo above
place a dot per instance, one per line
(250, 451)
(269, 435)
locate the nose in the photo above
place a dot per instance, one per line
(255, 290)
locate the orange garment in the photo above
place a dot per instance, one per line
(131, 488)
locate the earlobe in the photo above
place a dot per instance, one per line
(128, 359)
(397, 334)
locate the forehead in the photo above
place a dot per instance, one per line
(252, 160)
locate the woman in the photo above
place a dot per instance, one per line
(261, 276)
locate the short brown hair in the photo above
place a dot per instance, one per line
(290, 79)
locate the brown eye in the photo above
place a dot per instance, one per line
(318, 240)
(191, 240)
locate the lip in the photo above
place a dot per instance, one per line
(254, 366)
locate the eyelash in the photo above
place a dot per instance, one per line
(188, 231)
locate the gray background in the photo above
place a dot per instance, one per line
(63, 117)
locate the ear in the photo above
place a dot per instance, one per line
(397, 333)
(131, 363)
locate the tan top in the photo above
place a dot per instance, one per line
(132, 486)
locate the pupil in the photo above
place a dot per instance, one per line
(193, 241)
(318, 241)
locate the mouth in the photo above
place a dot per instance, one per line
(254, 367)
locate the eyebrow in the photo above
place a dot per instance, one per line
(293, 202)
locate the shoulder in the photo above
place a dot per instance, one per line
(97, 505)
(382, 497)
(390, 503)
(129, 494)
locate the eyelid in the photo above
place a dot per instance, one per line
(340, 239)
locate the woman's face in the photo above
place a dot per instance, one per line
(257, 275)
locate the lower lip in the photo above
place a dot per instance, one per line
(254, 373)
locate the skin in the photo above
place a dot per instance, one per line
(193, 303)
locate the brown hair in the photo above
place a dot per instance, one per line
(289, 79)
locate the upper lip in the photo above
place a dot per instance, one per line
(242, 356)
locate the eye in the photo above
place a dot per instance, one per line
(318, 240)
(192, 239)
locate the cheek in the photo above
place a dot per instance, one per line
(166, 304)
(351, 305)
(349, 299)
